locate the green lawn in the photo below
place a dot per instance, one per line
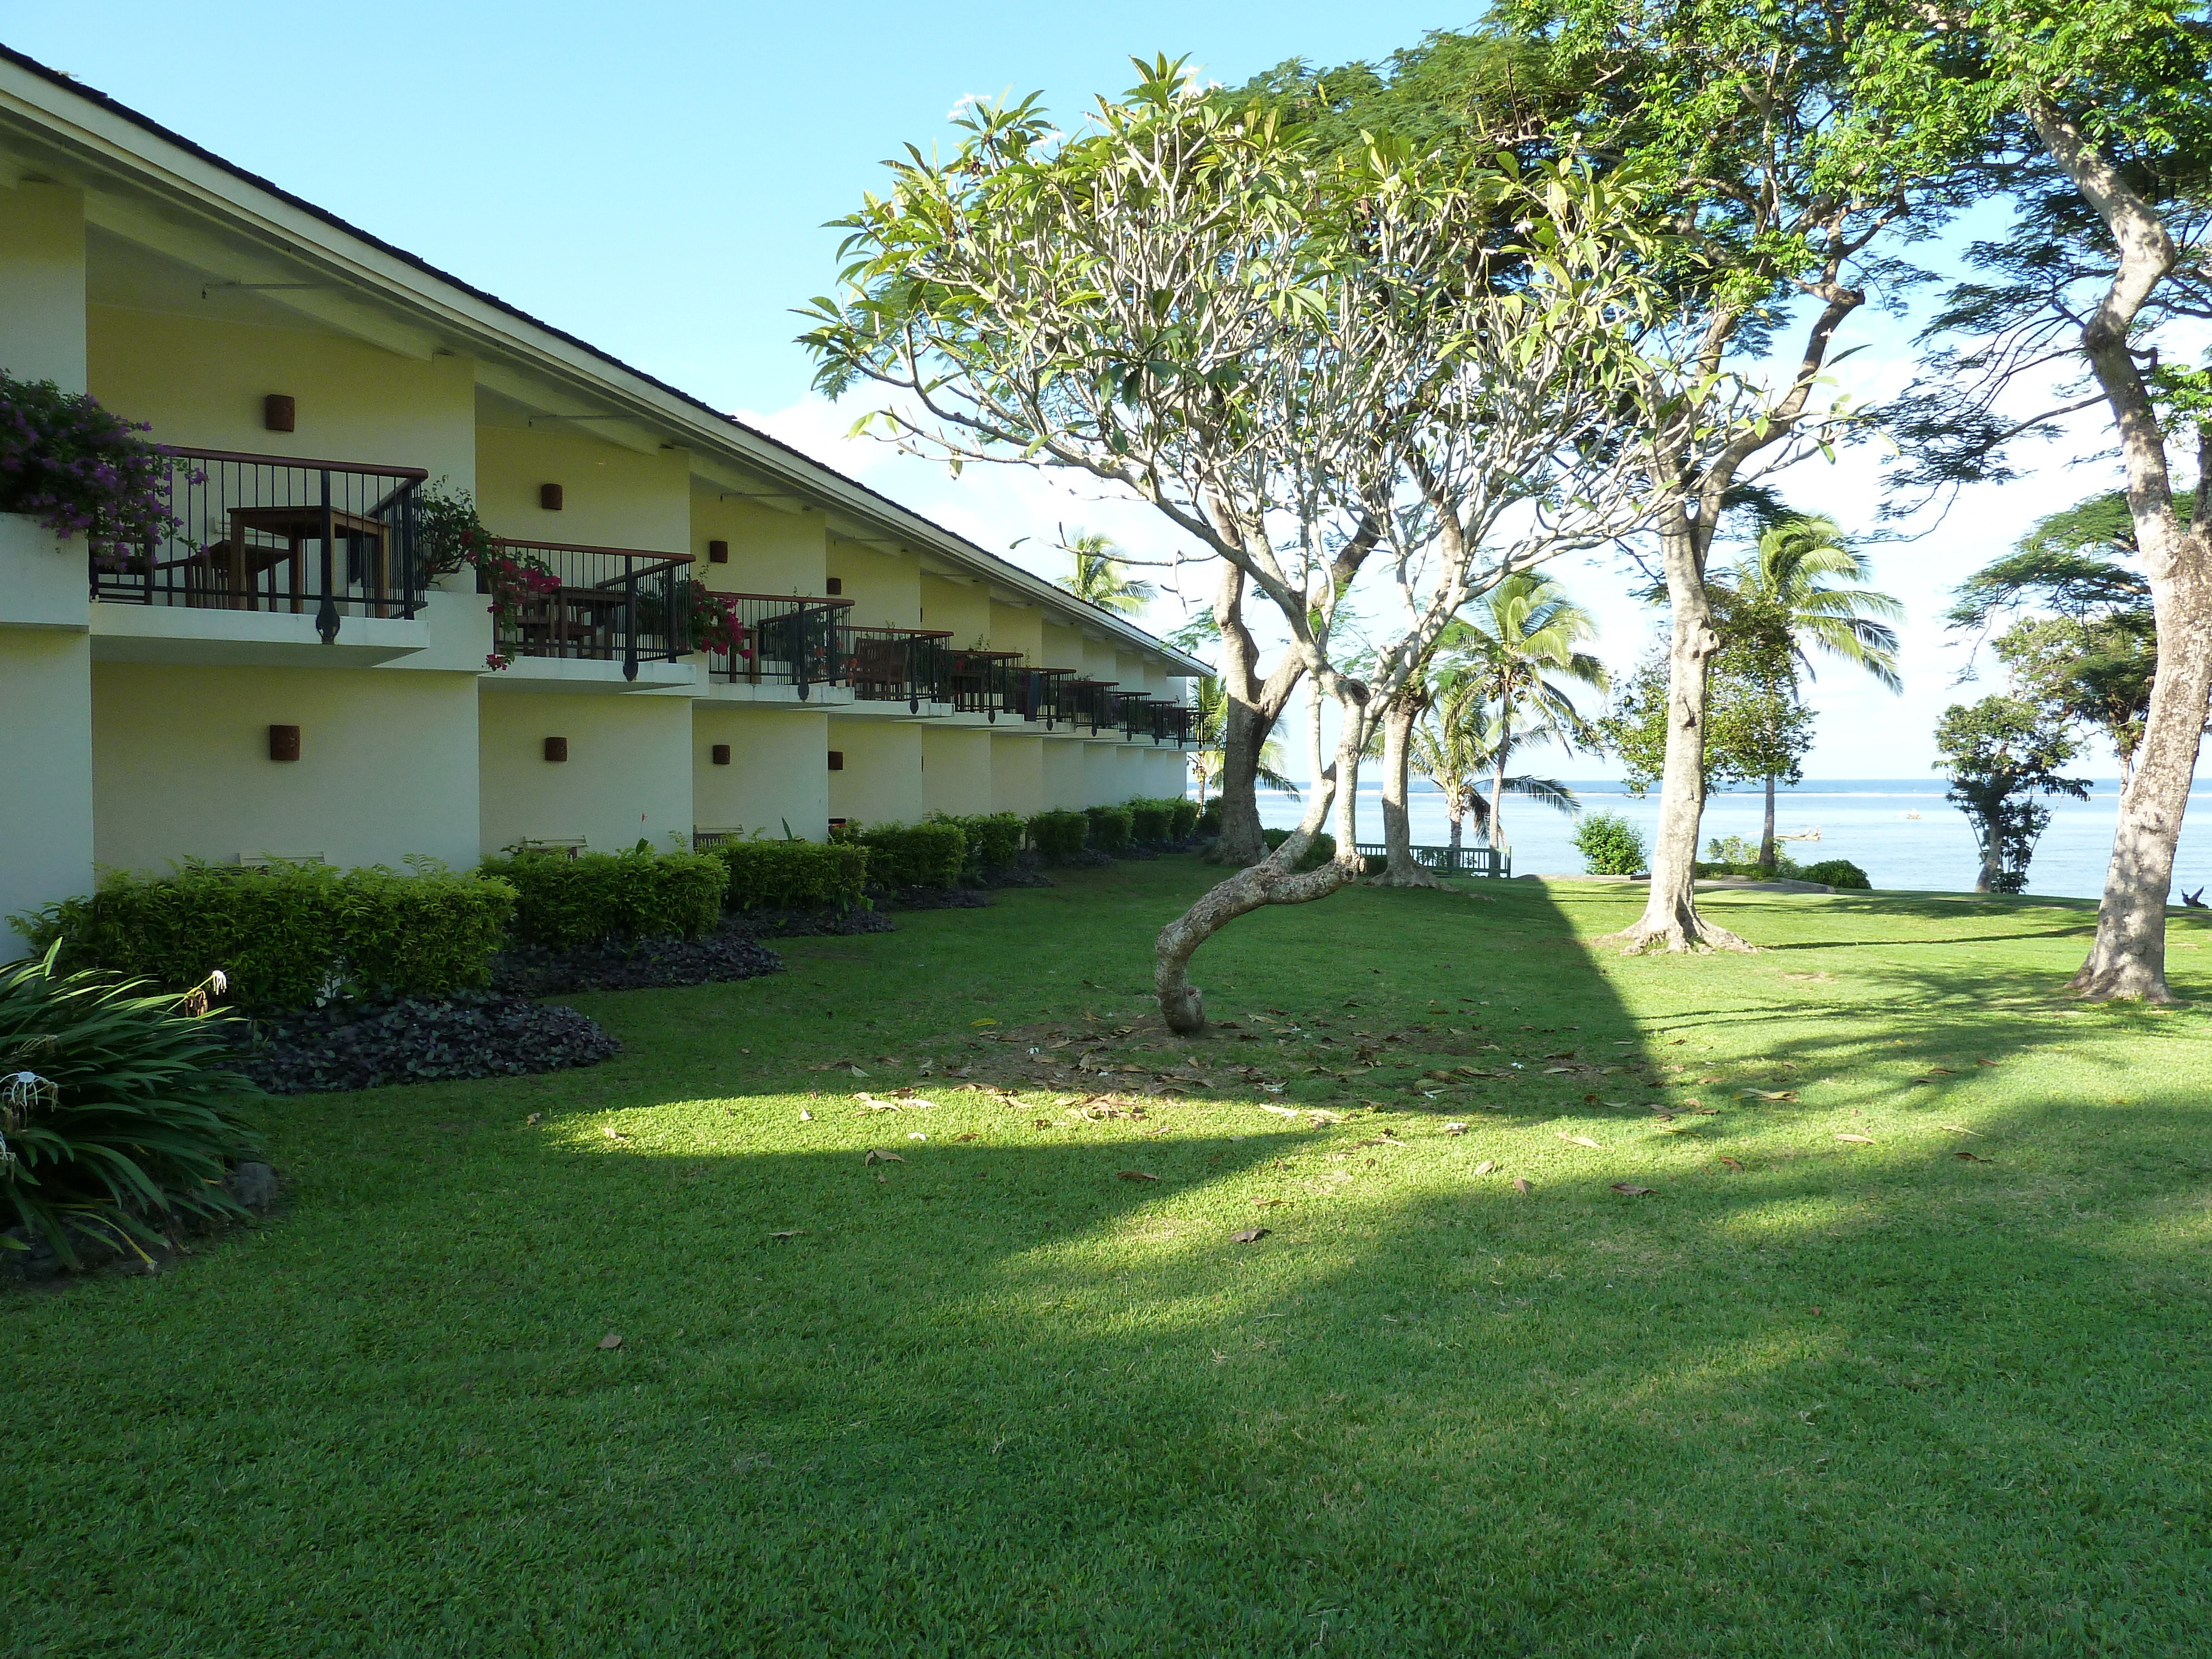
(1854, 1397)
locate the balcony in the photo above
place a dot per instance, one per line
(897, 665)
(1088, 702)
(594, 605)
(325, 540)
(782, 640)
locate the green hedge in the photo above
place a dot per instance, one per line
(1320, 853)
(1610, 845)
(562, 902)
(912, 855)
(1209, 818)
(1060, 834)
(286, 937)
(994, 839)
(1182, 819)
(795, 875)
(1839, 873)
(1151, 820)
(1111, 828)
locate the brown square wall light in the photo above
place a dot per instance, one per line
(283, 743)
(718, 552)
(836, 760)
(721, 754)
(556, 748)
(836, 585)
(279, 413)
(548, 498)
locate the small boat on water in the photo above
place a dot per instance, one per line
(1798, 835)
(1910, 817)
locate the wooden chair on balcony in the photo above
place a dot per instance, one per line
(881, 669)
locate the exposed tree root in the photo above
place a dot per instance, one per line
(1694, 935)
(1413, 875)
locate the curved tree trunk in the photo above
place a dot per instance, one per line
(1273, 880)
(1401, 868)
(1670, 919)
(2128, 957)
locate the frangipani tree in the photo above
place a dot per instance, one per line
(1311, 364)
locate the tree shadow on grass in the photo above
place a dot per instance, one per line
(1004, 1402)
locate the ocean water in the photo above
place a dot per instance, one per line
(1900, 831)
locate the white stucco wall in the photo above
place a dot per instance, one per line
(1020, 627)
(1065, 782)
(181, 768)
(882, 782)
(42, 271)
(1166, 774)
(963, 608)
(46, 723)
(776, 773)
(770, 552)
(628, 774)
(885, 588)
(612, 496)
(1017, 774)
(955, 770)
(201, 383)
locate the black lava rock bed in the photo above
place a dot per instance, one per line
(420, 1040)
(729, 954)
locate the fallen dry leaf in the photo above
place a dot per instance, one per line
(1985, 1062)
(1961, 1129)
(1770, 1094)
(611, 1340)
(1633, 1191)
(1486, 1166)
(805, 1116)
(1971, 1157)
(1940, 1071)
(875, 1157)
(1137, 1174)
(1279, 1111)
(613, 1134)
(1044, 1123)
(533, 1117)
(1455, 1128)
(1249, 1235)
(1548, 1070)
(790, 1232)
(1578, 1140)
(1862, 1140)
(1733, 1164)
(1267, 1203)
(1521, 1184)
(971, 1135)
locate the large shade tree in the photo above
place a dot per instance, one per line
(1391, 361)
(2098, 116)
(1790, 204)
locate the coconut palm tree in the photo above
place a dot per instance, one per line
(1099, 579)
(1208, 755)
(1803, 583)
(1457, 744)
(1518, 650)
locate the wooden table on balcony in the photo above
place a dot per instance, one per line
(571, 622)
(242, 561)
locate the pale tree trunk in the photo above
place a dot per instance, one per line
(1766, 835)
(1250, 708)
(1498, 804)
(1271, 881)
(1670, 919)
(1401, 868)
(2127, 957)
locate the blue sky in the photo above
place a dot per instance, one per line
(656, 179)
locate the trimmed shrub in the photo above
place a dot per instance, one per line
(1110, 827)
(1839, 873)
(1320, 853)
(117, 1110)
(912, 855)
(286, 937)
(1059, 835)
(1182, 819)
(1150, 820)
(1209, 818)
(794, 875)
(994, 839)
(562, 902)
(1610, 845)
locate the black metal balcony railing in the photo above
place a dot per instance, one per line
(987, 683)
(1174, 722)
(782, 640)
(897, 665)
(268, 532)
(1089, 702)
(595, 604)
